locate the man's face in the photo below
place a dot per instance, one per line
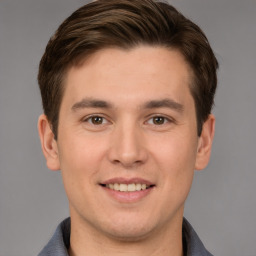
(127, 122)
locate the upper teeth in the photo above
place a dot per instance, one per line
(127, 187)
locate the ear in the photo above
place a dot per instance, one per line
(205, 143)
(48, 143)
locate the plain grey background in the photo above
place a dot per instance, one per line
(222, 203)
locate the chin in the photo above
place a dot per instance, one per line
(131, 235)
(129, 231)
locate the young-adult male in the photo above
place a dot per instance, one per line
(127, 89)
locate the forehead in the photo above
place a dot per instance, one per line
(139, 72)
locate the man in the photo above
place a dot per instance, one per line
(127, 89)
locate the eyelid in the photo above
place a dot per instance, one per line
(88, 117)
(168, 119)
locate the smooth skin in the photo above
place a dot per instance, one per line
(127, 114)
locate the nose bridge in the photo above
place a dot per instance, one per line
(127, 144)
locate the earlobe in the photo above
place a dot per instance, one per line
(48, 143)
(205, 143)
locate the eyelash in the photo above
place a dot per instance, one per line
(165, 120)
(89, 119)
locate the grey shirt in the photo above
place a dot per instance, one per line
(59, 243)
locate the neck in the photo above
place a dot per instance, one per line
(86, 240)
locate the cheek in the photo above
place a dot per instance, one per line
(80, 161)
(81, 153)
(176, 150)
(176, 158)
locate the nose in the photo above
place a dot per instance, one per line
(127, 146)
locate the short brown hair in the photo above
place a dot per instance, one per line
(126, 24)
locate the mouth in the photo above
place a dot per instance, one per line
(130, 187)
(127, 190)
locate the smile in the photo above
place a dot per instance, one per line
(127, 190)
(127, 187)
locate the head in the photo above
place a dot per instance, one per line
(126, 24)
(127, 90)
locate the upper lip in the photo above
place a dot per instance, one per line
(122, 180)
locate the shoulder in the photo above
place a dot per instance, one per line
(59, 243)
(191, 242)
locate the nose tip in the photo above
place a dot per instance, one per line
(128, 149)
(128, 160)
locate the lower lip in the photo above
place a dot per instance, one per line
(128, 197)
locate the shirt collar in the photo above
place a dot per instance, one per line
(59, 243)
(192, 244)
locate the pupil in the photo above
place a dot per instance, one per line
(158, 120)
(97, 120)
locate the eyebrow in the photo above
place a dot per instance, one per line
(96, 103)
(91, 103)
(164, 103)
